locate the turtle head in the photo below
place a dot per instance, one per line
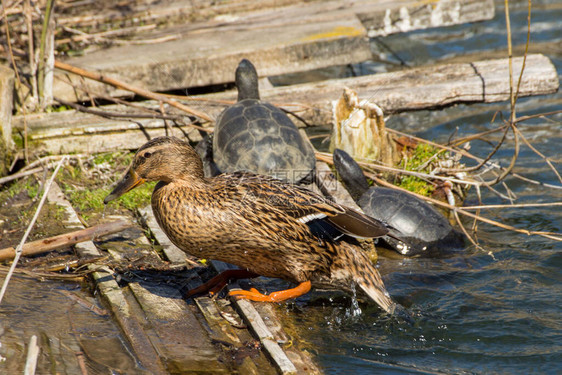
(247, 81)
(160, 159)
(350, 173)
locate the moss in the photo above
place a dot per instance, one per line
(420, 155)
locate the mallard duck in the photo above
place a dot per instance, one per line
(261, 224)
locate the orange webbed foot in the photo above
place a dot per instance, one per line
(218, 282)
(282, 295)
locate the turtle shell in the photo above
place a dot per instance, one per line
(419, 224)
(255, 136)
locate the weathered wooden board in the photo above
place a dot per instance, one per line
(70, 131)
(112, 293)
(387, 17)
(208, 58)
(6, 99)
(299, 37)
(412, 89)
(176, 331)
(424, 87)
(162, 330)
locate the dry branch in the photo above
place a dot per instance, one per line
(66, 239)
(136, 90)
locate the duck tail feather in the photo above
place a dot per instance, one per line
(368, 278)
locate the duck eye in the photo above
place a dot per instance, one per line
(147, 154)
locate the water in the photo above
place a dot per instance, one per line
(493, 311)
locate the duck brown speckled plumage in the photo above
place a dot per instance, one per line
(258, 223)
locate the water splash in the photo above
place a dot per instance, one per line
(354, 311)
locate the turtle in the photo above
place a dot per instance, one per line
(416, 228)
(255, 136)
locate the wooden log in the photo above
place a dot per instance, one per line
(420, 88)
(299, 37)
(65, 240)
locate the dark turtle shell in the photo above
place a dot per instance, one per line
(255, 136)
(415, 227)
(422, 228)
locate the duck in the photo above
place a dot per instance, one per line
(263, 225)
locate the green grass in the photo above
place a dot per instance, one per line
(91, 200)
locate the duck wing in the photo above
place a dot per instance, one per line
(326, 219)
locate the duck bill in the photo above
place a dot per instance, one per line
(130, 181)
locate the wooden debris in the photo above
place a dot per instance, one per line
(181, 339)
(66, 239)
(174, 255)
(32, 355)
(359, 129)
(6, 99)
(413, 89)
(279, 40)
(424, 87)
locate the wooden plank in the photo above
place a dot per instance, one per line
(208, 58)
(424, 87)
(412, 89)
(95, 15)
(91, 133)
(129, 322)
(225, 333)
(178, 333)
(279, 40)
(6, 102)
(258, 327)
(174, 255)
(125, 309)
(111, 293)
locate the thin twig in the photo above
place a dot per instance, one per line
(517, 205)
(327, 158)
(547, 160)
(139, 91)
(29, 228)
(46, 161)
(106, 114)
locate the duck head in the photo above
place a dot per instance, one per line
(160, 159)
